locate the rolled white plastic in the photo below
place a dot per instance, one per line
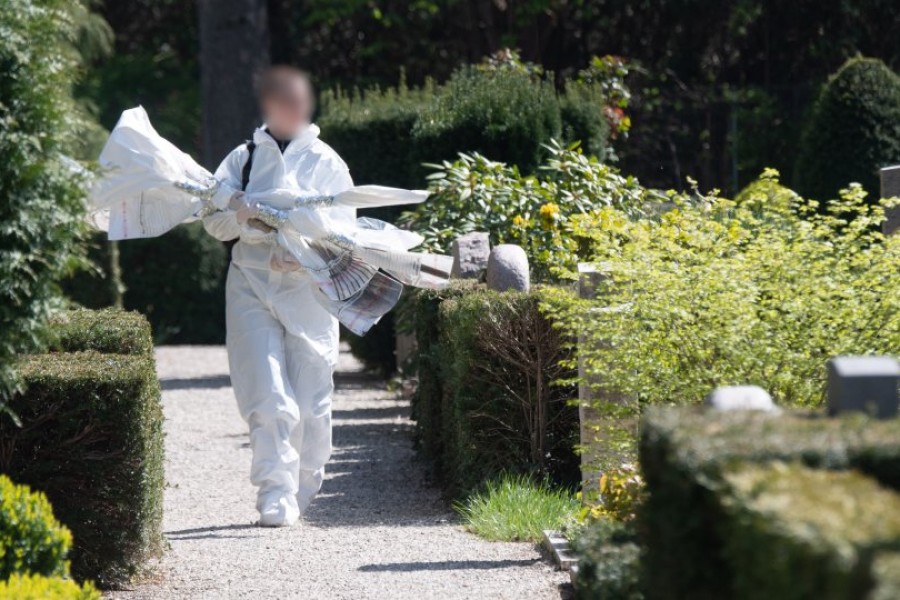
(373, 196)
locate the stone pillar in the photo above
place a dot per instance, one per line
(589, 280)
(890, 188)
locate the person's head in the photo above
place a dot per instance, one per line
(286, 99)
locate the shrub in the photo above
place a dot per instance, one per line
(38, 587)
(853, 130)
(371, 130)
(109, 331)
(91, 439)
(502, 108)
(582, 121)
(31, 539)
(504, 114)
(494, 357)
(41, 195)
(620, 492)
(98, 284)
(716, 293)
(177, 281)
(688, 521)
(515, 508)
(795, 533)
(478, 194)
(609, 565)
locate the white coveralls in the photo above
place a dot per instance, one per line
(282, 344)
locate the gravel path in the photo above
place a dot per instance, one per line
(377, 530)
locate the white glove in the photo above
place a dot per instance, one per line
(283, 262)
(222, 198)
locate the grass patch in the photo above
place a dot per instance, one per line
(516, 508)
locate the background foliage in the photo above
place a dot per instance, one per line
(33, 541)
(41, 192)
(853, 130)
(721, 90)
(91, 438)
(763, 290)
(475, 193)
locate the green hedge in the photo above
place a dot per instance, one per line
(41, 196)
(31, 539)
(687, 456)
(108, 331)
(609, 566)
(92, 440)
(487, 400)
(371, 131)
(38, 587)
(792, 533)
(853, 130)
(424, 312)
(177, 281)
(505, 115)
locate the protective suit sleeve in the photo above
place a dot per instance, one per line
(337, 180)
(223, 225)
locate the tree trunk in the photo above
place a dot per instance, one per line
(234, 47)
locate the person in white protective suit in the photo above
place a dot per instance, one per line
(282, 344)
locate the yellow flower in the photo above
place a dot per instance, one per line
(519, 221)
(549, 210)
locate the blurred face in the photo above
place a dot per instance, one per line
(288, 109)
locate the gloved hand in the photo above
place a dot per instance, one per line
(246, 212)
(283, 262)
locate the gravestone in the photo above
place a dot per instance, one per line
(470, 255)
(740, 397)
(890, 188)
(594, 424)
(865, 384)
(507, 269)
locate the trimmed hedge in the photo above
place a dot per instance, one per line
(38, 587)
(505, 115)
(793, 533)
(853, 130)
(371, 131)
(687, 457)
(31, 539)
(92, 440)
(177, 281)
(609, 566)
(109, 331)
(487, 402)
(424, 312)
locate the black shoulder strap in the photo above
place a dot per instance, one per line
(245, 172)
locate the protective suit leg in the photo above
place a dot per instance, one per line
(311, 359)
(256, 354)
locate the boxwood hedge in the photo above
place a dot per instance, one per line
(487, 400)
(701, 510)
(91, 439)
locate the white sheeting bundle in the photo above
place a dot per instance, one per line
(148, 186)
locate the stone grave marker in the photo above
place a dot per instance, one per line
(890, 188)
(507, 269)
(865, 384)
(470, 255)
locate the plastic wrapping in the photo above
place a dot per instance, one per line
(148, 186)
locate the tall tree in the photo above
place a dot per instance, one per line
(234, 47)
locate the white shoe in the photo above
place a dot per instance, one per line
(279, 511)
